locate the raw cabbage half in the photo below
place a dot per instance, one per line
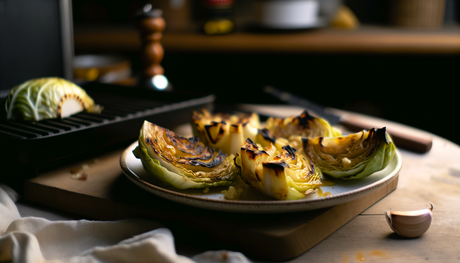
(47, 98)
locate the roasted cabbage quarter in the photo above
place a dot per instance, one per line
(226, 132)
(282, 174)
(304, 125)
(351, 157)
(290, 130)
(182, 162)
(47, 98)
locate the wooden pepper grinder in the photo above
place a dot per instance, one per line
(151, 25)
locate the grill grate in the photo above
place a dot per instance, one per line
(47, 142)
(116, 108)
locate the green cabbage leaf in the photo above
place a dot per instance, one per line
(355, 156)
(47, 98)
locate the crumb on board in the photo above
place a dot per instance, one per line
(80, 176)
(79, 169)
(74, 170)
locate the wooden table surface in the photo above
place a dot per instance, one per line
(431, 177)
(434, 177)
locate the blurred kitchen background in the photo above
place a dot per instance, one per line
(394, 59)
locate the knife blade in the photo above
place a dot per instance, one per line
(403, 138)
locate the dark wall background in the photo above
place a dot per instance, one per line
(420, 91)
(417, 90)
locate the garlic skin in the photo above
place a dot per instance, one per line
(410, 224)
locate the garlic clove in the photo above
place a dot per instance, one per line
(410, 224)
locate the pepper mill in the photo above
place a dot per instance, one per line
(151, 25)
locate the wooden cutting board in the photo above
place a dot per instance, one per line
(107, 194)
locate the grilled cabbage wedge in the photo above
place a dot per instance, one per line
(304, 125)
(47, 98)
(355, 156)
(226, 132)
(290, 130)
(281, 174)
(182, 162)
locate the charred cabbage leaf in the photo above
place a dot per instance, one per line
(47, 98)
(304, 125)
(351, 157)
(282, 174)
(226, 132)
(182, 162)
(290, 130)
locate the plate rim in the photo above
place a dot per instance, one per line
(218, 204)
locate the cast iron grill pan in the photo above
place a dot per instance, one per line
(125, 109)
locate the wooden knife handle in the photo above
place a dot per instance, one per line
(402, 138)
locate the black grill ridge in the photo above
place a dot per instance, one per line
(115, 108)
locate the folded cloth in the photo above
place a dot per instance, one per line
(33, 239)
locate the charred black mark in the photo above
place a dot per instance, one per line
(306, 115)
(206, 155)
(185, 145)
(199, 148)
(152, 145)
(149, 141)
(220, 133)
(166, 158)
(251, 149)
(312, 170)
(252, 154)
(217, 160)
(253, 145)
(266, 135)
(278, 168)
(381, 134)
(290, 151)
(320, 141)
(370, 138)
(258, 177)
(305, 142)
(384, 131)
(304, 119)
(234, 128)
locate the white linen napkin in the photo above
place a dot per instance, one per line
(34, 239)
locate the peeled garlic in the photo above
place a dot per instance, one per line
(410, 223)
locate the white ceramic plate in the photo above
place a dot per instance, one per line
(342, 191)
